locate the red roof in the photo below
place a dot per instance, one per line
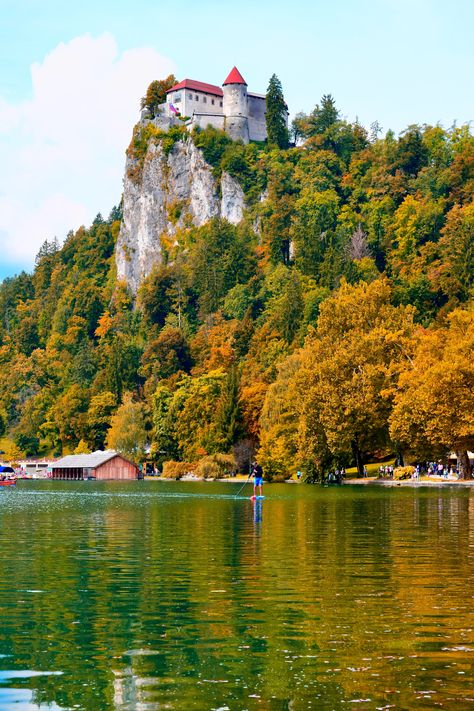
(197, 86)
(235, 77)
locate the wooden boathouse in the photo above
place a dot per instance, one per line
(103, 466)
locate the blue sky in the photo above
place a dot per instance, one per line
(72, 75)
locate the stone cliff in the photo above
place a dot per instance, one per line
(171, 192)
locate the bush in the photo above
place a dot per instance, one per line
(215, 466)
(212, 144)
(175, 470)
(403, 473)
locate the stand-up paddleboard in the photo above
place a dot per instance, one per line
(254, 498)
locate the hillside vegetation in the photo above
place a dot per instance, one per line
(334, 324)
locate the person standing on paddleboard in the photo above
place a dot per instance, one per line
(257, 473)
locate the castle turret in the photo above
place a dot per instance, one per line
(236, 106)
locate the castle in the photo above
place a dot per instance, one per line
(232, 108)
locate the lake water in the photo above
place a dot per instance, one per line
(152, 595)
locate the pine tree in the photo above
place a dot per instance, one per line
(277, 129)
(228, 414)
(323, 117)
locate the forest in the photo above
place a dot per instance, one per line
(333, 326)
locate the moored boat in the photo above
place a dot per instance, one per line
(8, 482)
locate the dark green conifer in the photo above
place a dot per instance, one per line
(277, 128)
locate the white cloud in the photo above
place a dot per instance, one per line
(62, 152)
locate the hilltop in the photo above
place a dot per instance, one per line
(310, 303)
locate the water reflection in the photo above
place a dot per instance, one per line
(174, 596)
(257, 511)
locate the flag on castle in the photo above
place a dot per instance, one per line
(174, 109)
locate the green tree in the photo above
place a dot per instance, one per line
(277, 114)
(322, 117)
(220, 258)
(228, 415)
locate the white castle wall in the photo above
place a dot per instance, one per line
(199, 102)
(240, 113)
(236, 111)
(188, 101)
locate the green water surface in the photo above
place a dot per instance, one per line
(152, 595)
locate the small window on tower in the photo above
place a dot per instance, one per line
(204, 98)
(196, 98)
(220, 103)
(212, 102)
(190, 96)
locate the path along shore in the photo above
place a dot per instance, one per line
(423, 481)
(368, 481)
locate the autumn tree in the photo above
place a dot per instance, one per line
(99, 414)
(279, 422)
(433, 412)
(127, 433)
(349, 366)
(156, 93)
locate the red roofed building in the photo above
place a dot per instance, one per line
(232, 108)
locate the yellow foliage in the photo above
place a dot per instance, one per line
(12, 453)
(175, 470)
(403, 472)
(82, 448)
(106, 323)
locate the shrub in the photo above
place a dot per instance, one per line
(215, 466)
(403, 472)
(212, 144)
(175, 470)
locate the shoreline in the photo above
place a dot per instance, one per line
(369, 481)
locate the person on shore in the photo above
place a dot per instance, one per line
(257, 473)
(365, 472)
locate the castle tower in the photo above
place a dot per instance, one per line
(236, 106)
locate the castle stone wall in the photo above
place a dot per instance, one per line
(257, 109)
(235, 100)
(205, 120)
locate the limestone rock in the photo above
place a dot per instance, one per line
(172, 192)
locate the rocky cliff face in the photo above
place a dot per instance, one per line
(173, 191)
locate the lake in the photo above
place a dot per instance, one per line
(155, 595)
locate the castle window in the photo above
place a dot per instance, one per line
(196, 97)
(212, 101)
(190, 96)
(220, 103)
(204, 98)
(177, 98)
